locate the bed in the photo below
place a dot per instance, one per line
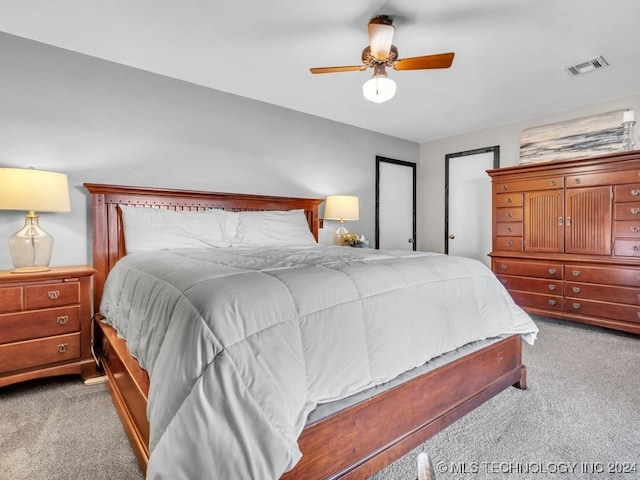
(352, 437)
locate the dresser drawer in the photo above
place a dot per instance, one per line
(591, 308)
(532, 285)
(604, 275)
(607, 293)
(42, 323)
(546, 302)
(530, 185)
(627, 211)
(33, 353)
(511, 244)
(627, 193)
(512, 214)
(626, 248)
(627, 228)
(10, 299)
(51, 295)
(509, 229)
(602, 178)
(528, 269)
(509, 200)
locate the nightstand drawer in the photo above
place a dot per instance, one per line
(33, 353)
(52, 295)
(10, 299)
(15, 327)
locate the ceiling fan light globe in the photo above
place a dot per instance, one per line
(379, 89)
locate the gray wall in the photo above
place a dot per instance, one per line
(432, 161)
(102, 122)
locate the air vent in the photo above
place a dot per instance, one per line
(587, 66)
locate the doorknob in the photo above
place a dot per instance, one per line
(411, 240)
(452, 236)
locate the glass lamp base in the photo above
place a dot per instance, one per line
(338, 235)
(30, 269)
(31, 247)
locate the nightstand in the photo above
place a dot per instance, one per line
(45, 324)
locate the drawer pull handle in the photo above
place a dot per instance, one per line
(560, 221)
(552, 271)
(635, 192)
(504, 187)
(576, 273)
(509, 200)
(63, 347)
(509, 214)
(577, 180)
(509, 244)
(504, 282)
(503, 267)
(509, 229)
(635, 248)
(568, 221)
(53, 294)
(552, 287)
(552, 183)
(576, 289)
(62, 319)
(552, 302)
(576, 306)
(635, 229)
(635, 211)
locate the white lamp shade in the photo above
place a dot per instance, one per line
(33, 190)
(341, 207)
(379, 89)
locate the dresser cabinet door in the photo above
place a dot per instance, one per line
(588, 220)
(544, 221)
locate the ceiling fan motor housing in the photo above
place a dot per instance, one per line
(369, 60)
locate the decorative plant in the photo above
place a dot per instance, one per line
(351, 240)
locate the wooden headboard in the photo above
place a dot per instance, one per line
(108, 235)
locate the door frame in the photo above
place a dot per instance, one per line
(496, 164)
(403, 163)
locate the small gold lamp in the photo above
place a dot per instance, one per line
(32, 190)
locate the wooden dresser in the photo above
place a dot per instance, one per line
(45, 324)
(566, 238)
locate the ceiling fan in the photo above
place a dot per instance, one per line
(380, 54)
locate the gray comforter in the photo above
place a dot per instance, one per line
(242, 343)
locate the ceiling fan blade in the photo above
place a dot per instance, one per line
(380, 36)
(440, 60)
(350, 68)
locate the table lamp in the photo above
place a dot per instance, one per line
(341, 207)
(32, 190)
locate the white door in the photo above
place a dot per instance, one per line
(468, 202)
(395, 204)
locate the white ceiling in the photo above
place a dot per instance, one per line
(509, 64)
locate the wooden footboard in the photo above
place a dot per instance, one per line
(358, 441)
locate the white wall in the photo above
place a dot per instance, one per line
(432, 162)
(102, 122)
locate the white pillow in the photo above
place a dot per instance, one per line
(148, 229)
(273, 228)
